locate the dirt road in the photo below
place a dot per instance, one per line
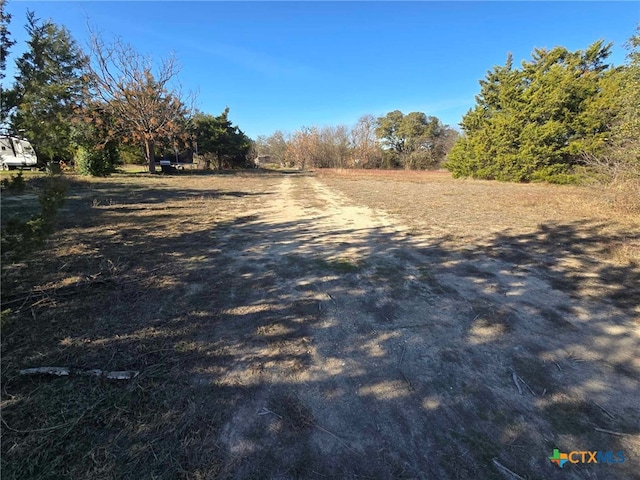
(375, 351)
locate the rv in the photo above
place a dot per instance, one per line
(16, 152)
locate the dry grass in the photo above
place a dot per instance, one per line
(110, 292)
(285, 326)
(468, 210)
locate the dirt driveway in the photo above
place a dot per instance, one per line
(299, 331)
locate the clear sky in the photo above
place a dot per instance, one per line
(282, 66)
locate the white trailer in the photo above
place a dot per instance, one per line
(16, 152)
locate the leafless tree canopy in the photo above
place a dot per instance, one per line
(140, 104)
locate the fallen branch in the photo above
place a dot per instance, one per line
(611, 432)
(515, 380)
(527, 385)
(266, 411)
(504, 469)
(404, 349)
(604, 410)
(66, 371)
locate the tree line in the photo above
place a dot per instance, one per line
(559, 116)
(111, 105)
(396, 140)
(562, 117)
(106, 105)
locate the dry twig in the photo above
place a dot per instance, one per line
(515, 380)
(71, 423)
(527, 385)
(504, 469)
(611, 432)
(409, 384)
(604, 410)
(266, 411)
(345, 444)
(404, 349)
(331, 298)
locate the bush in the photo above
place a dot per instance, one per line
(15, 183)
(18, 237)
(557, 174)
(130, 155)
(97, 162)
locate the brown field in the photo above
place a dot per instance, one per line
(333, 324)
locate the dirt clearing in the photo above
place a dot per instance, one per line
(291, 325)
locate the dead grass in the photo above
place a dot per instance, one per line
(363, 325)
(466, 210)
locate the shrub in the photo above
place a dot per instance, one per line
(20, 237)
(97, 162)
(557, 174)
(15, 183)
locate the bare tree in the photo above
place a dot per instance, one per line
(140, 104)
(367, 152)
(332, 148)
(274, 145)
(302, 151)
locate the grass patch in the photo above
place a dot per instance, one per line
(87, 427)
(339, 266)
(386, 271)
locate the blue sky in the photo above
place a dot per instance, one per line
(281, 66)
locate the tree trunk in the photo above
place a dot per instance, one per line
(150, 154)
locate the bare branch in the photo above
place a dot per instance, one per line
(145, 105)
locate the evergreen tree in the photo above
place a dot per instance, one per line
(218, 138)
(6, 95)
(48, 88)
(5, 40)
(536, 122)
(623, 148)
(413, 141)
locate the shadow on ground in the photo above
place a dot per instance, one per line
(279, 350)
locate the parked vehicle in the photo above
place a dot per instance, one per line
(16, 152)
(177, 161)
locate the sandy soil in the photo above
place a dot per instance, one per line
(395, 350)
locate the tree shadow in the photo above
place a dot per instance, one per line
(286, 350)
